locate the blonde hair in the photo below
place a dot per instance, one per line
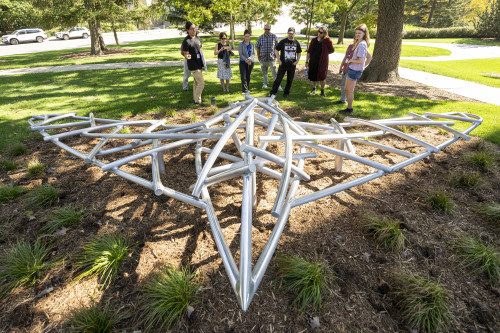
(325, 34)
(366, 37)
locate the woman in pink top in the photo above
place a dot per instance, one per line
(356, 63)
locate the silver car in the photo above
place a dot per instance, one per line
(75, 32)
(24, 35)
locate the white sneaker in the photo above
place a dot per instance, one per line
(264, 86)
(280, 89)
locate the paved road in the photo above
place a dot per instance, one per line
(53, 43)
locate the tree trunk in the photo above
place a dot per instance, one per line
(231, 32)
(101, 40)
(385, 61)
(114, 33)
(95, 46)
(343, 22)
(309, 24)
(433, 7)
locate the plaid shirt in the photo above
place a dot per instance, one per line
(266, 46)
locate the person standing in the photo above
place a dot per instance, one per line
(317, 59)
(288, 51)
(356, 63)
(246, 50)
(191, 48)
(266, 44)
(222, 51)
(344, 68)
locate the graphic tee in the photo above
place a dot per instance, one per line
(288, 50)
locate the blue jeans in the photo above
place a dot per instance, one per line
(343, 98)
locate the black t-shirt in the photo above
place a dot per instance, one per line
(193, 45)
(289, 50)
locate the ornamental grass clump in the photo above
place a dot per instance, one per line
(490, 211)
(35, 167)
(102, 257)
(441, 200)
(307, 280)
(482, 159)
(95, 318)
(22, 264)
(42, 196)
(8, 193)
(16, 149)
(7, 165)
(386, 231)
(466, 179)
(424, 305)
(478, 257)
(168, 297)
(63, 217)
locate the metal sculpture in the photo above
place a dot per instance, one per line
(236, 126)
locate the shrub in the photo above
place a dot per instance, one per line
(475, 255)
(424, 304)
(307, 280)
(348, 33)
(441, 200)
(466, 179)
(63, 217)
(42, 196)
(102, 257)
(95, 318)
(16, 149)
(168, 295)
(35, 167)
(22, 264)
(7, 165)
(486, 23)
(8, 193)
(387, 232)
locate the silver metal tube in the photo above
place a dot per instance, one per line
(285, 177)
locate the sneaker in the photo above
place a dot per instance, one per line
(264, 86)
(199, 103)
(280, 89)
(286, 95)
(346, 110)
(323, 93)
(185, 89)
(339, 102)
(312, 92)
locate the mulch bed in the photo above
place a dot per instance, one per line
(168, 231)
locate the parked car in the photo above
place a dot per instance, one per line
(75, 32)
(24, 35)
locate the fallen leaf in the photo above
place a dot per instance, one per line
(190, 311)
(44, 292)
(366, 256)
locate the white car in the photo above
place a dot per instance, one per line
(24, 35)
(75, 32)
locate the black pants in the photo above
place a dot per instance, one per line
(289, 69)
(245, 72)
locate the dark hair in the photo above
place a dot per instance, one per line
(222, 34)
(189, 24)
(247, 32)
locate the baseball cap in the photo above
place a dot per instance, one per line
(291, 29)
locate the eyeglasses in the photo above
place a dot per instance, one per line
(321, 32)
(267, 29)
(192, 28)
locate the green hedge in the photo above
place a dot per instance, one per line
(457, 32)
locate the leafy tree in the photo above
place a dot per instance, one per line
(438, 13)
(488, 23)
(312, 12)
(17, 14)
(345, 7)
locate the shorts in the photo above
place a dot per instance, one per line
(354, 75)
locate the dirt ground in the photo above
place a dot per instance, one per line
(168, 231)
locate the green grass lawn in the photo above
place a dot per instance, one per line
(162, 50)
(125, 92)
(470, 70)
